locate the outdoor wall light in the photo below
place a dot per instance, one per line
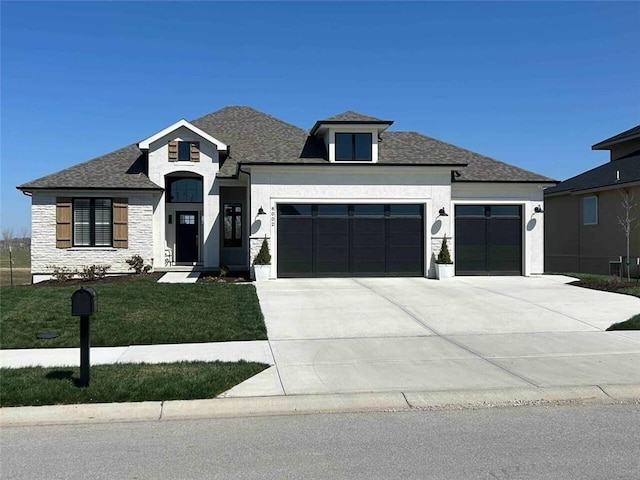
(538, 209)
(442, 213)
(261, 211)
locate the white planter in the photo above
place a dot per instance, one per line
(445, 271)
(262, 272)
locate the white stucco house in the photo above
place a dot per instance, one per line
(349, 197)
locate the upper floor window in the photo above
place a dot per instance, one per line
(590, 211)
(353, 147)
(92, 225)
(184, 190)
(184, 151)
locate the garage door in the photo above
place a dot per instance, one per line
(350, 240)
(488, 240)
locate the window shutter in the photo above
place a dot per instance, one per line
(173, 151)
(195, 151)
(120, 222)
(63, 222)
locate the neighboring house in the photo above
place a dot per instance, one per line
(582, 229)
(346, 198)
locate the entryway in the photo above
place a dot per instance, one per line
(187, 236)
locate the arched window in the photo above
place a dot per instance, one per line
(184, 190)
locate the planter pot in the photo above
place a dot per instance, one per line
(262, 272)
(445, 271)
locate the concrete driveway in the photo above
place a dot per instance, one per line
(415, 334)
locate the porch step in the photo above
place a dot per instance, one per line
(179, 277)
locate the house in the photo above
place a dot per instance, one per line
(582, 229)
(349, 197)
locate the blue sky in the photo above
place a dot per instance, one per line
(532, 84)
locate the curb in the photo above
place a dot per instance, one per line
(308, 404)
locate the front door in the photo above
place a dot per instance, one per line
(187, 237)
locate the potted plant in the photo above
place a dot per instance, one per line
(444, 265)
(262, 262)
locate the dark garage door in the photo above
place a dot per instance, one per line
(350, 240)
(488, 240)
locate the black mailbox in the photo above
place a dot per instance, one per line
(84, 302)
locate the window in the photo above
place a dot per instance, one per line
(353, 147)
(184, 190)
(92, 222)
(232, 225)
(590, 211)
(187, 219)
(184, 151)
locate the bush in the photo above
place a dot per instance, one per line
(136, 263)
(444, 256)
(263, 257)
(94, 272)
(61, 274)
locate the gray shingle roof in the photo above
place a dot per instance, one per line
(122, 169)
(256, 137)
(626, 135)
(623, 171)
(351, 116)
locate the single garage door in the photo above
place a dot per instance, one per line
(488, 240)
(350, 240)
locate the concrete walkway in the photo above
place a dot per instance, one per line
(179, 277)
(254, 351)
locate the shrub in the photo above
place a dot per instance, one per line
(136, 263)
(61, 274)
(263, 257)
(94, 272)
(444, 256)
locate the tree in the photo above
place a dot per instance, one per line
(7, 237)
(628, 221)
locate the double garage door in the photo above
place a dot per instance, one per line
(322, 240)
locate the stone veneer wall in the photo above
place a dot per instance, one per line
(44, 253)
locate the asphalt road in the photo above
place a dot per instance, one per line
(556, 442)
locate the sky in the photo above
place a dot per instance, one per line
(532, 84)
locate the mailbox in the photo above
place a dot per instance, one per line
(84, 302)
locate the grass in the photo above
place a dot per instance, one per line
(122, 382)
(632, 324)
(21, 257)
(133, 312)
(606, 283)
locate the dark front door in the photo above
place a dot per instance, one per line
(350, 240)
(187, 237)
(488, 240)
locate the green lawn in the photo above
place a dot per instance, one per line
(122, 382)
(632, 324)
(137, 310)
(607, 283)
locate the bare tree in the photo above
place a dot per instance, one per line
(7, 237)
(25, 233)
(628, 221)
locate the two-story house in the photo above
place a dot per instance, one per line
(582, 213)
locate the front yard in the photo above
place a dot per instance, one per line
(136, 310)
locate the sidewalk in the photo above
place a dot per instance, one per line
(251, 351)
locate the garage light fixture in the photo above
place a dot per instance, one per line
(538, 209)
(442, 213)
(261, 211)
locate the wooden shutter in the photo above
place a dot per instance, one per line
(63, 222)
(195, 151)
(173, 151)
(120, 222)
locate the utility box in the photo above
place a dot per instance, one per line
(84, 302)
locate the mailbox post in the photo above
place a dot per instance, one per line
(84, 303)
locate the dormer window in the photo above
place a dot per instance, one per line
(184, 151)
(353, 147)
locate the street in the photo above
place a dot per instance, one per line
(536, 442)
